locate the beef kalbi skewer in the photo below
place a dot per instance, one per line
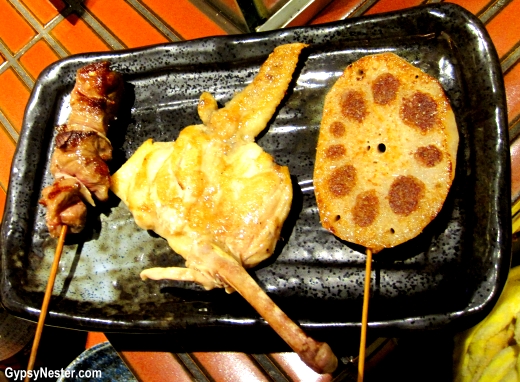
(82, 148)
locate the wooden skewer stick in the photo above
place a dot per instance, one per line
(46, 299)
(317, 355)
(364, 317)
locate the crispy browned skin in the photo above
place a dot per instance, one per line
(220, 200)
(386, 152)
(81, 148)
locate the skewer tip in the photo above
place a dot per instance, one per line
(364, 316)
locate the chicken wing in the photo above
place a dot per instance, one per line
(220, 200)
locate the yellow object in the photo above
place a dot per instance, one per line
(516, 216)
(489, 351)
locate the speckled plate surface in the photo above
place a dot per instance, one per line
(449, 276)
(100, 363)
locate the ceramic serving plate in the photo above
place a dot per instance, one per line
(100, 363)
(448, 276)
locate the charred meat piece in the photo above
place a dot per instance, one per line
(88, 113)
(82, 148)
(97, 80)
(95, 97)
(64, 203)
(82, 155)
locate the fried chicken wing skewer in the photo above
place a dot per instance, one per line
(79, 160)
(220, 200)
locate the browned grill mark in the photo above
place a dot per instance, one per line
(86, 141)
(72, 139)
(98, 76)
(366, 208)
(96, 105)
(337, 129)
(384, 88)
(342, 181)
(99, 166)
(57, 190)
(405, 194)
(428, 156)
(420, 111)
(353, 105)
(335, 151)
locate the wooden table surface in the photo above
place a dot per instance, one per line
(35, 33)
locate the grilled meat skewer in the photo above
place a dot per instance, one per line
(78, 162)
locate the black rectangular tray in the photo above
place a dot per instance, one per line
(448, 277)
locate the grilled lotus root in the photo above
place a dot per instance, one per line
(386, 152)
(220, 200)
